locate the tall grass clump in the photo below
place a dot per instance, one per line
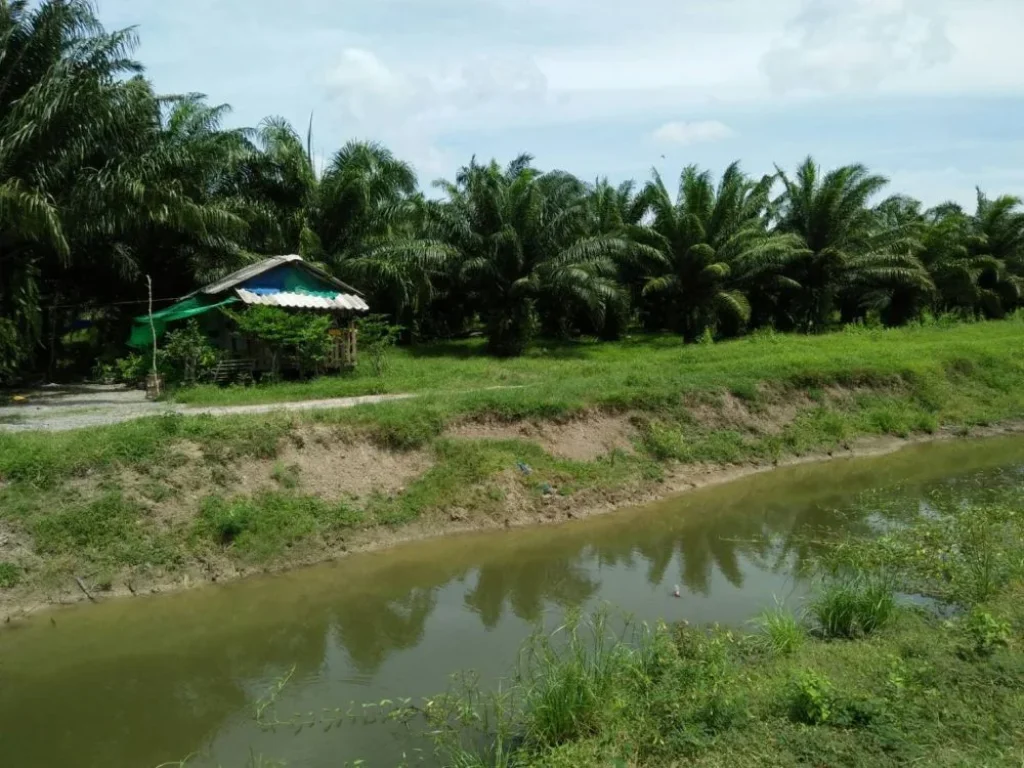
(779, 631)
(854, 605)
(569, 678)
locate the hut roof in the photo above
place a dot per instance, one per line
(255, 270)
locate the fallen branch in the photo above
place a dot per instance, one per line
(81, 586)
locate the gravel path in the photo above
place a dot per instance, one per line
(58, 409)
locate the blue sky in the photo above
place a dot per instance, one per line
(928, 92)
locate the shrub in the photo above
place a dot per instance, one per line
(131, 369)
(260, 529)
(851, 606)
(985, 634)
(811, 698)
(376, 338)
(189, 353)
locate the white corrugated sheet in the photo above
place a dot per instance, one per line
(342, 302)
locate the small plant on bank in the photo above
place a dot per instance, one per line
(10, 575)
(286, 475)
(985, 634)
(811, 698)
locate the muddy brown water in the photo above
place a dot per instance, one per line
(138, 683)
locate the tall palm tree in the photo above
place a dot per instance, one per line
(706, 248)
(522, 239)
(91, 174)
(845, 240)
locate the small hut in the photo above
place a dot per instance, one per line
(286, 282)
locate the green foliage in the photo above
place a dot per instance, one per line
(985, 633)
(189, 353)
(301, 335)
(811, 698)
(377, 337)
(850, 606)
(131, 369)
(10, 575)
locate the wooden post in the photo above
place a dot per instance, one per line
(154, 382)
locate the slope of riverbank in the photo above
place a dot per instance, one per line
(174, 501)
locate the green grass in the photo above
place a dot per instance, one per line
(652, 370)
(919, 688)
(847, 385)
(854, 605)
(779, 632)
(260, 529)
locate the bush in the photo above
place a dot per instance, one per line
(189, 353)
(376, 338)
(811, 699)
(852, 606)
(132, 369)
(985, 634)
(261, 529)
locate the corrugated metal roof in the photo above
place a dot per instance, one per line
(249, 272)
(254, 270)
(341, 302)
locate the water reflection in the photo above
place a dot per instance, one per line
(137, 683)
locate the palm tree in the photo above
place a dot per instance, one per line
(95, 181)
(846, 242)
(706, 248)
(999, 246)
(522, 240)
(974, 260)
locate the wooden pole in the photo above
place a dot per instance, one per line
(154, 382)
(152, 324)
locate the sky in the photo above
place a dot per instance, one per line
(928, 92)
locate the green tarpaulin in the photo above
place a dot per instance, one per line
(142, 335)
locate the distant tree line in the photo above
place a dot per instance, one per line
(103, 181)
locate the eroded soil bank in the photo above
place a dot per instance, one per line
(198, 514)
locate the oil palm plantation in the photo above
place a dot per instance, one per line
(706, 248)
(522, 242)
(850, 251)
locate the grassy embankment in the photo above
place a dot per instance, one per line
(855, 677)
(157, 500)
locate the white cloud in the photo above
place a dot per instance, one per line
(409, 106)
(696, 132)
(853, 45)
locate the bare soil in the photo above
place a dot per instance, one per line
(583, 439)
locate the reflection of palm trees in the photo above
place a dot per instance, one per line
(371, 628)
(526, 585)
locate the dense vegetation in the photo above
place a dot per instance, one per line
(103, 181)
